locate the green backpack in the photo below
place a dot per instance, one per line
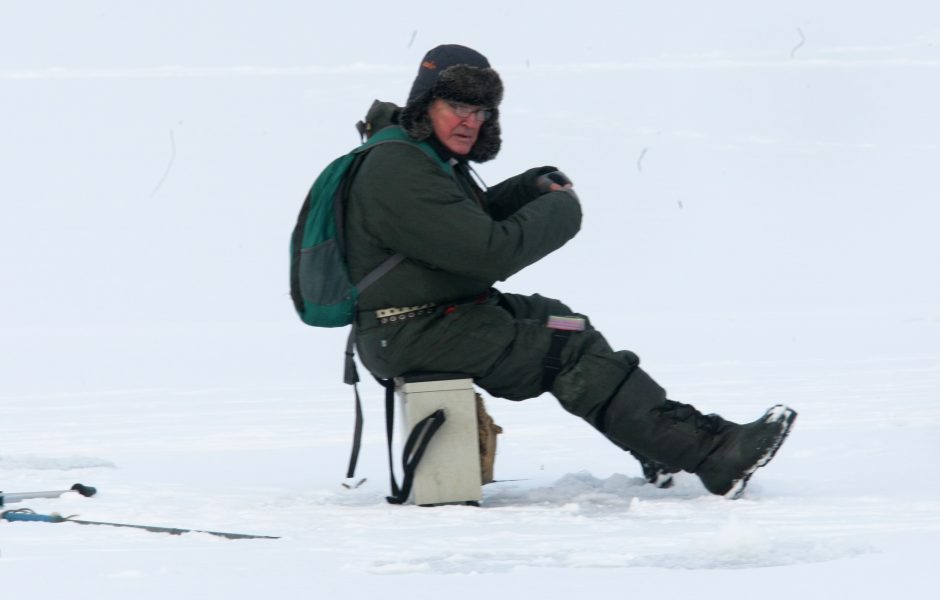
(323, 293)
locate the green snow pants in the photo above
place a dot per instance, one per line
(501, 342)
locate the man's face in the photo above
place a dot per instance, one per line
(458, 134)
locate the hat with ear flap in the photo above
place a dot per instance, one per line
(460, 74)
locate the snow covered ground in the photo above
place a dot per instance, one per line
(764, 176)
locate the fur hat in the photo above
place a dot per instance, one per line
(460, 74)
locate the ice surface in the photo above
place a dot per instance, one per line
(760, 198)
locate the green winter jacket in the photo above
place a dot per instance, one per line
(457, 239)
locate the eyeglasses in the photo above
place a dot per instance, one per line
(465, 110)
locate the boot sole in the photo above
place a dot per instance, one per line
(786, 416)
(663, 481)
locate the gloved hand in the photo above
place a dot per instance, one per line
(552, 182)
(556, 181)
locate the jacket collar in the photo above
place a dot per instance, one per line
(445, 154)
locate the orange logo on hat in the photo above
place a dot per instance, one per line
(429, 64)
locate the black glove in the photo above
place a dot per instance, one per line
(544, 182)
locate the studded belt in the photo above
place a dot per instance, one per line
(384, 316)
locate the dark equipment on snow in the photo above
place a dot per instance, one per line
(83, 490)
(25, 514)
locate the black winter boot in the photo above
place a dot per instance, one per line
(668, 436)
(743, 450)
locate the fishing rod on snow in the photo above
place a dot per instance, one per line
(78, 488)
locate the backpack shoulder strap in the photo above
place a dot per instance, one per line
(395, 134)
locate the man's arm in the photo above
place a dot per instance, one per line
(414, 208)
(506, 197)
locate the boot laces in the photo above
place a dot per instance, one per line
(710, 423)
